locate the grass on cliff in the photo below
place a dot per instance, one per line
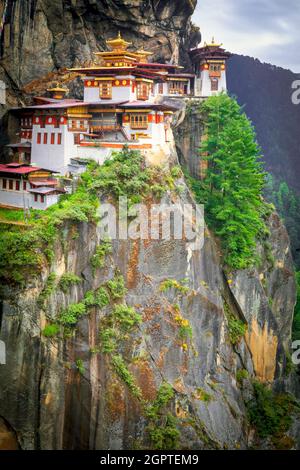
(25, 250)
(234, 180)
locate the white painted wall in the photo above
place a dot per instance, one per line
(25, 199)
(54, 157)
(206, 84)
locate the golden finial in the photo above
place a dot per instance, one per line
(213, 40)
(119, 35)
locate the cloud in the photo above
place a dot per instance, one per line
(265, 29)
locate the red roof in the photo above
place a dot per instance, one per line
(20, 169)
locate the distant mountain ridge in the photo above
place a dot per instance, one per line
(266, 90)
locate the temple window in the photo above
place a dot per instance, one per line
(17, 185)
(11, 185)
(58, 139)
(45, 138)
(42, 199)
(24, 185)
(142, 91)
(177, 88)
(4, 183)
(76, 139)
(215, 67)
(214, 84)
(139, 121)
(52, 138)
(39, 138)
(35, 198)
(105, 90)
(161, 88)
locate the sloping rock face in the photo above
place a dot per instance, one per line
(52, 402)
(41, 36)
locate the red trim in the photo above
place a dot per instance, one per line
(45, 138)
(58, 139)
(39, 138)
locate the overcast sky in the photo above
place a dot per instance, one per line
(265, 29)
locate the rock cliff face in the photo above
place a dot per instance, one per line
(61, 392)
(41, 36)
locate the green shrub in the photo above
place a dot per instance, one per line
(241, 375)
(176, 171)
(48, 289)
(108, 338)
(162, 431)
(173, 284)
(268, 412)
(116, 287)
(72, 314)
(98, 298)
(202, 395)
(101, 297)
(98, 259)
(124, 374)
(51, 330)
(237, 329)
(67, 280)
(126, 317)
(80, 366)
(165, 436)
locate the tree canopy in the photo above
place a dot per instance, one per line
(233, 183)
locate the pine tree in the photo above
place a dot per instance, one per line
(234, 180)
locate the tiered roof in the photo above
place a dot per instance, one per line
(212, 51)
(119, 59)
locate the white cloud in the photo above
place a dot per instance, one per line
(266, 29)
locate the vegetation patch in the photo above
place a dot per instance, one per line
(49, 288)
(98, 259)
(162, 428)
(98, 298)
(233, 184)
(237, 329)
(80, 366)
(67, 280)
(123, 373)
(270, 413)
(173, 284)
(242, 374)
(202, 395)
(51, 330)
(116, 287)
(71, 315)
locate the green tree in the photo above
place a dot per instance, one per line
(234, 180)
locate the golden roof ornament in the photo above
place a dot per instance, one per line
(118, 43)
(213, 43)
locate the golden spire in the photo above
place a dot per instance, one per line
(118, 44)
(213, 43)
